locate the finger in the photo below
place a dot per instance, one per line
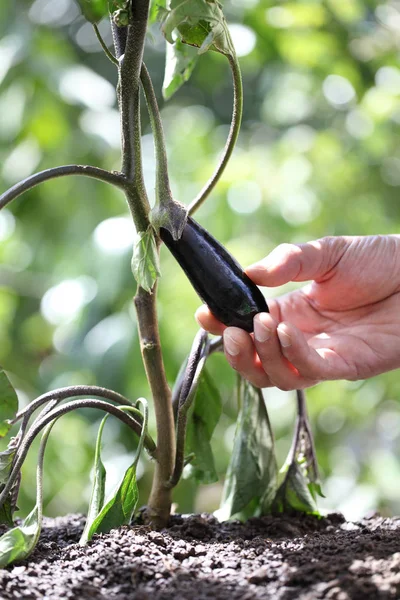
(311, 363)
(207, 320)
(302, 262)
(280, 371)
(241, 355)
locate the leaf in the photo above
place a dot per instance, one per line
(157, 7)
(199, 23)
(119, 510)
(180, 61)
(6, 460)
(98, 487)
(6, 511)
(252, 472)
(94, 10)
(294, 493)
(205, 414)
(145, 262)
(8, 403)
(18, 543)
(300, 486)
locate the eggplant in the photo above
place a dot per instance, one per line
(216, 276)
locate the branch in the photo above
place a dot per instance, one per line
(55, 414)
(30, 182)
(195, 365)
(232, 137)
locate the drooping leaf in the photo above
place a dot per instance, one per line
(8, 403)
(94, 10)
(145, 262)
(180, 61)
(6, 512)
(205, 414)
(6, 460)
(299, 475)
(252, 473)
(18, 543)
(200, 23)
(98, 487)
(293, 493)
(120, 508)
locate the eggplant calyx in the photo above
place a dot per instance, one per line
(171, 215)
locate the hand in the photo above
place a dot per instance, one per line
(343, 325)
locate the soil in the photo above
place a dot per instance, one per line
(285, 558)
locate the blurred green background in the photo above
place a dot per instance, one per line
(319, 154)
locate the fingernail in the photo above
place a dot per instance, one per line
(284, 338)
(261, 331)
(230, 345)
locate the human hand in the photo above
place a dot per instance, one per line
(343, 325)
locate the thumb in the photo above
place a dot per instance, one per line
(299, 262)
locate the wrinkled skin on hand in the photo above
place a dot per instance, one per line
(345, 324)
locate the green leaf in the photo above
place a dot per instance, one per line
(6, 460)
(252, 473)
(293, 493)
(157, 8)
(205, 414)
(199, 23)
(98, 487)
(300, 485)
(18, 543)
(94, 10)
(145, 262)
(8, 403)
(180, 61)
(6, 511)
(119, 510)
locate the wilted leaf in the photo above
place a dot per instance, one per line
(300, 485)
(94, 10)
(180, 61)
(145, 262)
(252, 472)
(205, 414)
(6, 511)
(293, 493)
(200, 23)
(98, 487)
(18, 543)
(119, 510)
(8, 403)
(6, 460)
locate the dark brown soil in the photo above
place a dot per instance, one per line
(300, 558)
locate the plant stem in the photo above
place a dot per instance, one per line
(106, 51)
(163, 188)
(232, 137)
(196, 363)
(159, 503)
(55, 414)
(129, 48)
(30, 182)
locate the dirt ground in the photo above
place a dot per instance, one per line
(284, 558)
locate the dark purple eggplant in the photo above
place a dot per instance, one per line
(216, 276)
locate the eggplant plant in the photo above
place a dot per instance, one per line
(187, 415)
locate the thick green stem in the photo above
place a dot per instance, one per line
(232, 137)
(159, 503)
